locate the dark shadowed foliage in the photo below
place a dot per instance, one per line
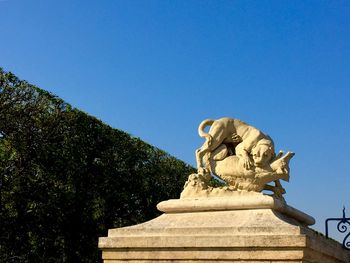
(66, 177)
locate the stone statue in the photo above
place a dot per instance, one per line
(241, 155)
(228, 220)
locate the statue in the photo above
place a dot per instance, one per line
(241, 155)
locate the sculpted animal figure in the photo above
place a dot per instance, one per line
(242, 137)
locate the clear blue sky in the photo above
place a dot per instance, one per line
(156, 69)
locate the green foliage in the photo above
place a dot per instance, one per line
(66, 177)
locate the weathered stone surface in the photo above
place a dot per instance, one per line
(243, 156)
(235, 200)
(222, 233)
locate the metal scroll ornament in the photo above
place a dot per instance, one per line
(343, 226)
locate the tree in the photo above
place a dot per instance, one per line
(66, 177)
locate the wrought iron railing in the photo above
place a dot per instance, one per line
(343, 226)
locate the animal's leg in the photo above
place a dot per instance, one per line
(207, 166)
(277, 191)
(279, 186)
(243, 155)
(203, 155)
(269, 188)
(200, 154)
(199, 157)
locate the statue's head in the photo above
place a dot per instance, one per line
(263, 153)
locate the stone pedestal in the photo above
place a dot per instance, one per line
(247, 227)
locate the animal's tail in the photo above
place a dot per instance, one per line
(201, 128)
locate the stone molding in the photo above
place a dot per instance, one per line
(239, 200)
(261, 232)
